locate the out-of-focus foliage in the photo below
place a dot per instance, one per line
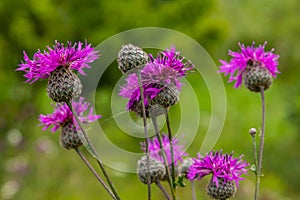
(32, 164)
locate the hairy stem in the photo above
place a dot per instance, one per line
(87, 143)
(86, 162)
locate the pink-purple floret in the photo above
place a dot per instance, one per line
(62, 114)
(155, 150)
(76, 57)
(238, 63)
(220, 165)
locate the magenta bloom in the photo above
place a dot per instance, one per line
(165, 70)
(239, 61)
(63, 114)
(173, 59)
(155, 150)
(76, 57)
(220, 165)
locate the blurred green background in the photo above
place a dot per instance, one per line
(34, 166)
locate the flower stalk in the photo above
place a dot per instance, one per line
(145, 131)
(86, 162)
(87, 143)
(168, 174)
(158, 184)
(171, 150)
(261, 146)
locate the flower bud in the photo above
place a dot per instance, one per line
(131, 57)
(157, 170)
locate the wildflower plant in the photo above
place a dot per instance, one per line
(152, 86)
(258, 68)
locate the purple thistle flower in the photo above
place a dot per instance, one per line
(239, 61)
(76, 57)
(220, 165)
(161, 72)
(62, 114)
(155, 150)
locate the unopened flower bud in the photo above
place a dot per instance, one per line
(252, 131)
(156, 170)
(131, 57)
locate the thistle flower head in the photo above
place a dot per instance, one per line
(249, 54)
(62, 114)
(221, 166)
(73, 56)
(156, 152)
(158, 74)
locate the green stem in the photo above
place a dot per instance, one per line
(145, 132)
(87, 143)
(94, 172)
(158, 184)
(193, 190)
(261, 147)
(171, 149)
(157, 134)
(256, 165)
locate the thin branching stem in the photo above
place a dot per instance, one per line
(158, 184)
(255, 162)
(261, 146)
(86, 162)
(193, 190)
(171, 149)
(157, 134)
(87, 143)
(145, 132)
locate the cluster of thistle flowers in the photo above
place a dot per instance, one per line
(159, 81)
(58, 64)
